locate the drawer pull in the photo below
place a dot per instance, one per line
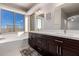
(57, 49)
(60, 50)
(59, 41)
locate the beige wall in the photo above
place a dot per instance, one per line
(63, 17)
(32, 22)
(57, 18)
(27, 23)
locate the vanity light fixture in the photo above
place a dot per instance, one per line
(39, 12)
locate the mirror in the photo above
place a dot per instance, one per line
(39, 17)
(73, 22)
(69, 18)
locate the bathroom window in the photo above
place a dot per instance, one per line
(7, 21)
(11, 21)
(19, 22)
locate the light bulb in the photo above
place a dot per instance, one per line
(72, 19)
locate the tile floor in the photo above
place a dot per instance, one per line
(29, 52)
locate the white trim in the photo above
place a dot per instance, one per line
(12, 9)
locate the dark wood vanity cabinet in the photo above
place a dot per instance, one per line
(48, 45)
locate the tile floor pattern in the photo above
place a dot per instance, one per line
(29, 52)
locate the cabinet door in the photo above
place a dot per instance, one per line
(68, 51)
(44, 44)
(53, 47)
(45, 47)
(32, 40)
(38, 42)
(70, 48)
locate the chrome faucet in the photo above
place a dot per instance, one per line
(68, 20)
(66, 26)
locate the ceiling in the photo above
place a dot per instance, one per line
(23, 6)
(71, 8)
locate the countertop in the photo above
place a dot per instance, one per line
(71, 34)
(10, 37)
